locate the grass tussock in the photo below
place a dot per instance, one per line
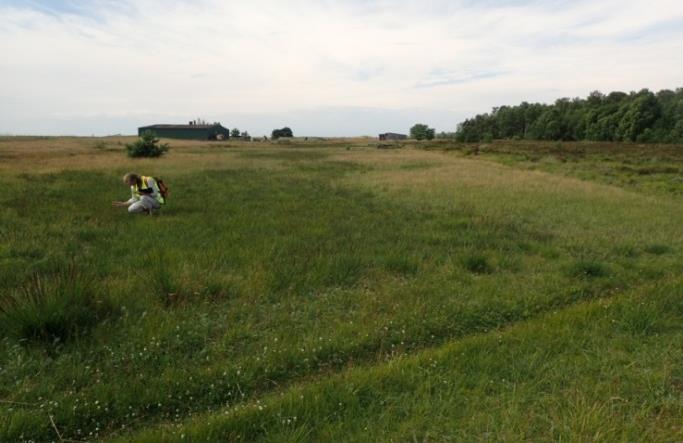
(478, 264)
(53, 309)
(163, 279)
(657, 249)
(589, 269)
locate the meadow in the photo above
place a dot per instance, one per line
(342, 290)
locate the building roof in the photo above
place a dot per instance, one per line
(180, 126)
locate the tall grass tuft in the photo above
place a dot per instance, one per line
(477, 264)
(657, 249)
(588, 269)
(164, 283)
(639, 318)
(53, 309)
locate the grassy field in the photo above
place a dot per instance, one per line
(334, 291)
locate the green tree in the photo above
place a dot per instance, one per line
(147, 146)
(235, 133)
(422, 132)
(641, 114)
(281, 133)
(617, 116)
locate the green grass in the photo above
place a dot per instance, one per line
(534, 381)
(280, 272)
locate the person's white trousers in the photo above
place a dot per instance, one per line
(145, 204)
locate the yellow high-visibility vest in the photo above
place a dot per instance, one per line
(136, 190)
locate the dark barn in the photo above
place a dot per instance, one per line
(188, 132)
(392, 136)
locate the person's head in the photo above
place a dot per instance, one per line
(131, 179)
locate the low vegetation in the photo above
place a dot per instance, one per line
(333, 291)
(643, 168)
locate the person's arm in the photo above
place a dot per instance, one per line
(128, 202)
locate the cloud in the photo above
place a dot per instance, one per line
(440, 77)
(140, 60)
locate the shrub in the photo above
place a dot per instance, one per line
(421, 132)
(52, 310)
(147, 146)
(281, 133)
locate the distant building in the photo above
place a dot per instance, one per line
(190, 131)
(392, 136)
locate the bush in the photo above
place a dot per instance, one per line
(52, 310)
(279, 133)
(421, 132)
(147, 146)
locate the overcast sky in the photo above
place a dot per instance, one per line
(343, 67)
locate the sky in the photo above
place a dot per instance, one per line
(324, 68)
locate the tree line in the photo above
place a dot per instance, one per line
(641, 116)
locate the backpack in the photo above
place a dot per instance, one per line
(163, 189)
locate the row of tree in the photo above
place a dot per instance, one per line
(641, 116)
(236, 133)
(277, 133)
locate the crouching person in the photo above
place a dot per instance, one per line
(145, 194)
